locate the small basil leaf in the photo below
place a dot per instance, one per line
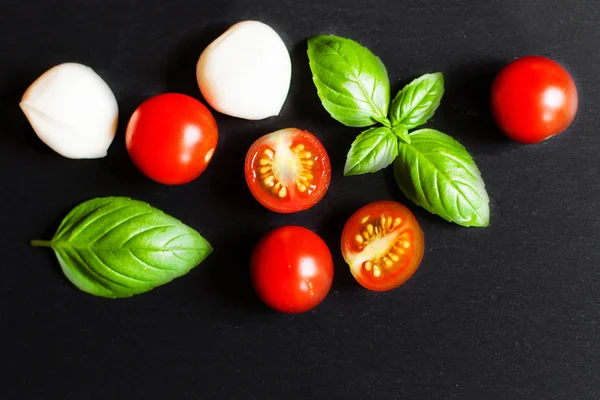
(117, 247)
(417, 102)
(401, 132)
(383, 121)
(351, 82)
(437, 173)
(372, 150)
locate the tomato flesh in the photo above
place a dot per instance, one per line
(171, 138)
(288, 170)
(533, 98)
(383, 244)
(291, 269)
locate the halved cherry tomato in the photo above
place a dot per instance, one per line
(383, 244)
(288, 170)
(171, 138)
(291, 269)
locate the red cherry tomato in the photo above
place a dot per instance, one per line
(171, 138)
(288, 170)
(383, 244)
(533, 98)
(291, 269)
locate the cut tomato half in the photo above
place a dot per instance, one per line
(383, 244)
(288, 170)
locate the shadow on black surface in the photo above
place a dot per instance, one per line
(181, 73)
(19, 132)
(117, 160)
(230, 277)
(303, 98)
(465, 108)
(331, 232)
(226, 174)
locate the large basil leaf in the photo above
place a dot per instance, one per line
(351, 82)
(118, 247)
(417, 102)
(437, 173)
(372, 150)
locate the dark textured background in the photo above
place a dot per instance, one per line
(507, 312)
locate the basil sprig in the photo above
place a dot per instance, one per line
(118, 247)
(432, 169)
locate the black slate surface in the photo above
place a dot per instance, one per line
(507, 312)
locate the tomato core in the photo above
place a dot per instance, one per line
(288, 170)
(383, 245)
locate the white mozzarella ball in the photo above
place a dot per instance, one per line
(246, 72)
(72, 110)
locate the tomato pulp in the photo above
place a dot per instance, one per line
(171, 138)
(291, 269)
(288, 170)
(383, 244)
(533, 98)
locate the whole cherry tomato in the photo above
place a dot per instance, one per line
(171, 138)
(533, 98)
(291, 269)
(383, 244)
(288, 170)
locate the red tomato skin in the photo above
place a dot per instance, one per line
(532, 99)
(171, 138)
(394, 209)
(291, 269)
(271, 202)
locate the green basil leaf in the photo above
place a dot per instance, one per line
(383, 121)
(118, 247)
(351, 82)
(437, 173)
(401, 132)
(417, 102)
(372, 150)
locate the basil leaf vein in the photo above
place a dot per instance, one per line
(417, 101)
(437, 173)
(118, 247)
(401, 131)
(352, 83)
(371, 151)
